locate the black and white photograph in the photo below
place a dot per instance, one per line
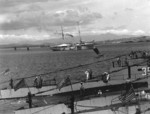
(74, 56)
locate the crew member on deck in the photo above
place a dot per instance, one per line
(82, 90)
(88, 73)
(11, 83)
(138, 111)
(100, 92)
(36, 82)
(119, 61)
(105, 77)
(29, 100)
(40, 82)
(126, 61)
(113, 64)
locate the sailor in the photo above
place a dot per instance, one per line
(126, 62)
(100, 92)
(136, 55)
(119, 61)
(143, 92)
(54, 80)
(145, 95)
(72, 104)
(113, 63)
(11, 83)
(40, 82)
(36, 82)
(29, 99)
(105, 77)
(82, 89)
(143, 54)
(146, 54)
(138, 111)
(88, 73)
(131, 54)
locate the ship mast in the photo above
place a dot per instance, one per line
(62, 32)
(79, 32)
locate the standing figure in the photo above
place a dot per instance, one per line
(29, 100)
(126, 62)
(36, 82)
(113, 64)
(40, 82)
(105, 77)
(11, 83)
(88, 73)
(136, 55)
(138, 111)
(119, 61)
(82, 90)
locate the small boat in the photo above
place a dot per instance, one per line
(77, 46)
(62, 47)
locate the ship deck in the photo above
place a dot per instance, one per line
(48, 96)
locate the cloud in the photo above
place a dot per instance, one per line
(23, 20)
(3, 19)
(138, 32)
(115, 13)
(12, 3)
(23, 36)
(124, 31)
(112, 31)
(15, 6)
(72, 16)
(39, 19)
(129, 9)
(95, 16)
(121, 27)
(108, 28)
(31, 7)
(119, 32)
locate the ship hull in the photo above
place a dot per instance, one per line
(93, 84)
(78, 46)
(99, 105)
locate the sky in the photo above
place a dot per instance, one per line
(42, 19)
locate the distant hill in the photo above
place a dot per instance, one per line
(102, 37)
(111, 38)
(132, 39)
